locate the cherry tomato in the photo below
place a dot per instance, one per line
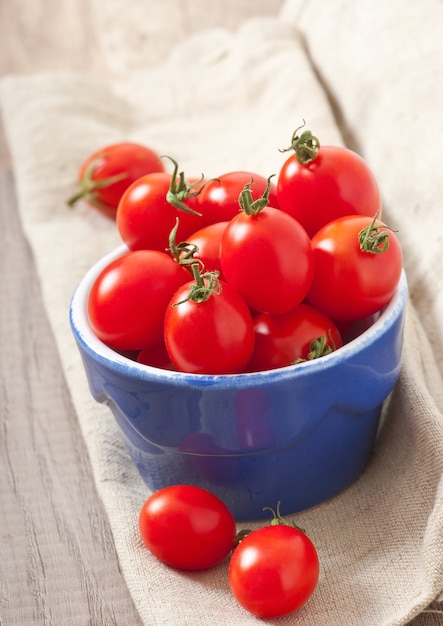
(107, 173)
(150, 207)
(187, 527)
(317, 185)
(305, 333)
(155, 356)
(208, 242)
(266, 255)
(218, 201)
(274, 570)
(354, 277)
(128, 299)
(211, 333)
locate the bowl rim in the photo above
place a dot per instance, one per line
(98, 350)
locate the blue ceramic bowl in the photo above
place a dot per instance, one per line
(299, 434)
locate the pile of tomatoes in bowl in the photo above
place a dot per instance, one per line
(244, 272)
(231, 282)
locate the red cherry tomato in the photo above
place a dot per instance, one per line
(150, 207)
(351, 283)
(218, 201)
(335, 183)
(187, 527)
(304, 333)
(208, 242)
(209, 336)
(274, 570)
(266, 256)
(128, 299)
(107, 173)
(155, 356)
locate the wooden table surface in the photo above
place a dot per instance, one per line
(58, 564)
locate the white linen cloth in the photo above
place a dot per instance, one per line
(366, 74)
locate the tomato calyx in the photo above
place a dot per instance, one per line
(374, 239)
(183, 252)
(205, 285)
(305, 146)
(319, 347)
(250, 206)
(88, 186)
(244, 532)
(277, 520)
(180, 189)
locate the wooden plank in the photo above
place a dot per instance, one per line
(57, 558)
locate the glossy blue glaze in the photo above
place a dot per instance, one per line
(300, 434)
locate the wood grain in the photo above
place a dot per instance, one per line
(57, 558)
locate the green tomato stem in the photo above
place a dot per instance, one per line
(250, 206)
(279, 520)
(374, 239)
(319, 347)
(305, 146)
(205, 285)
(87, 185)
(183, 252)
(180, 189)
